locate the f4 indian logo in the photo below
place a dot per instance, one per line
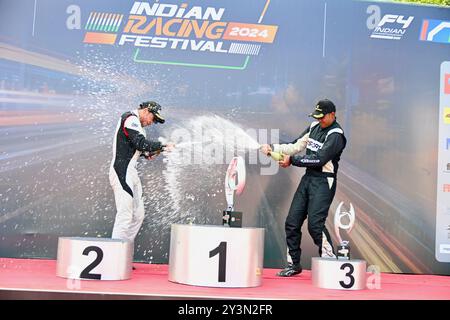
(392, 27)
(435, 31)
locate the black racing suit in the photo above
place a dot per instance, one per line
(317, 187)
(129, 143)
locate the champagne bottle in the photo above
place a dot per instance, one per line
(277, 156)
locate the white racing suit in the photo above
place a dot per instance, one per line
(129, 143)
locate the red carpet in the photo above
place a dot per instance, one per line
(150, 280)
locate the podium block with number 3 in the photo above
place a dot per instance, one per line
(216, 256)
(339, 274)
(94, 258)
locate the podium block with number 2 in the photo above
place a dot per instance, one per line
(94, 258)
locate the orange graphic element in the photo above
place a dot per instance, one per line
(103, 38)
(447, 83)
(446, 187)
(32, 117)
(250, 32)
(423, 34)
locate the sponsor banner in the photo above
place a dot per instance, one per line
(443, 176)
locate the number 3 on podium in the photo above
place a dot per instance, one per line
(349, 274)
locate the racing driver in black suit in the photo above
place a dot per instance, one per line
(324, 142)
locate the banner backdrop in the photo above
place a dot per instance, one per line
(227, 73)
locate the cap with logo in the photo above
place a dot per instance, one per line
(154, 108)
(323, 107)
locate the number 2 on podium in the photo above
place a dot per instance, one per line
(85, 274)
(222, 251)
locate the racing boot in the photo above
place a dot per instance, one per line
(290, 270)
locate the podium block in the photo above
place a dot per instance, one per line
(94, 258)
(216, 256)
(339, 274)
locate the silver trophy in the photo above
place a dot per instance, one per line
(234, 182)
(343, 249)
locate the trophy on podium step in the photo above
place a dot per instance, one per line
(234, 182)
(343, 249)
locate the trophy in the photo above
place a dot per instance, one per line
(234, 181)
(343, 249)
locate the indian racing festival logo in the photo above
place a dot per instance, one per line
(180, 27)
(435, 31)
(392, 27)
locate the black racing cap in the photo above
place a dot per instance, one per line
(323, 107)
(154, 108)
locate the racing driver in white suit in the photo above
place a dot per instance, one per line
(129, 144)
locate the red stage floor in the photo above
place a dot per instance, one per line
(150, 281)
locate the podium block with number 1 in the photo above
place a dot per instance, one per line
(216, 256)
